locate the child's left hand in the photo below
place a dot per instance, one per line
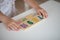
(41, 11)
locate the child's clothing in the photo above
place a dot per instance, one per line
(7, 7)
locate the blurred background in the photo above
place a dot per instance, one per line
(20, 5)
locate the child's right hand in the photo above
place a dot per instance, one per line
(11, 24)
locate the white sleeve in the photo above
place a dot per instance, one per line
(1, 6)
(2, 10)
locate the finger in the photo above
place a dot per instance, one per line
(8, 28)
(42, 13)
(11, 27)
(39, 13)
(45, 13)
(16, 25)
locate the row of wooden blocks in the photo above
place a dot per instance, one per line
(29, 20)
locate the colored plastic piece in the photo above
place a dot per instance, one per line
(24, 25)
(29, 22)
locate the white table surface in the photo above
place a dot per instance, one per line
(46, 30)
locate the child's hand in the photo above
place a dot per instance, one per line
(11, 24)
(36, 6)
(41, 11)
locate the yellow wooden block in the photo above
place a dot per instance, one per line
(35, 19)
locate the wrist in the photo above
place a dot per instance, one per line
(2, 17)
(38, 7)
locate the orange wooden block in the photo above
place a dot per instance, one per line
(29, 16)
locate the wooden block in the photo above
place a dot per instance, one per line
(23, 19)
(35, 19)
(29, 16)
